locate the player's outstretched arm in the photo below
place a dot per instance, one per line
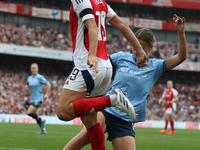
(182, 47)
(129, 35)
(160, 100)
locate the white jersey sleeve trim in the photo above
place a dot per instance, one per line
(110, 13)
(88, 16)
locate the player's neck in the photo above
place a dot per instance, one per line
(34, 75)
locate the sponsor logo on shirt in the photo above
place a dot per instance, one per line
(133, 73)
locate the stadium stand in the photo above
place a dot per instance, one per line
(44, 35)
(14, 99)
(40, 37)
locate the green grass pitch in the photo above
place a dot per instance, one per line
(24, 137)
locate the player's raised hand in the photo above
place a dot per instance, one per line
(141, 58)
(179, 23)
(92, 62)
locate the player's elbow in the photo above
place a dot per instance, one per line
(182, 56)
(123, 27)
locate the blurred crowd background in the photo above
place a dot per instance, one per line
(50, 38)
(14, 99)
(23, 30)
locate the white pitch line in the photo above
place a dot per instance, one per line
(15, 148)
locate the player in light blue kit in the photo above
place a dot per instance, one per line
(35, 82)
(136, 83)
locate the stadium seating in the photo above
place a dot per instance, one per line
(14, 99)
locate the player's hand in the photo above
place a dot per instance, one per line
(141, 58)
(46, 96)
(179, 23)
(92, 62)
(169, 103)
(26, 87)
(159, 102)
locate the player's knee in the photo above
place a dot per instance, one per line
(61, 114)
(89, 120)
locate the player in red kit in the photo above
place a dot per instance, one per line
(171, 96)
(92, 71)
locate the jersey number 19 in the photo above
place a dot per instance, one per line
(101, 25)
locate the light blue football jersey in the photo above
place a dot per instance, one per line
(35, 84)
(136, 83)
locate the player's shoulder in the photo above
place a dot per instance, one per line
(125, 56)
(29, 77)
(174, 90)
(155, 60)
(39, 75)
(78, 2)
(122, 53)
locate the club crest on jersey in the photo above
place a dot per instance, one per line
(146, 68)
(97, 2)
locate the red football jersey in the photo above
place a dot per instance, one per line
(169, 95)
(80, 11)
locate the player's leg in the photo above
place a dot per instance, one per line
(32, 112)
(116, 99)
(71, 102)
(167, 118)
(120, 132)
(172, 124)
(82, 139)
(79, 141)
(94, 129)
(166, 123)
(172, 119)
(126, 143)
(93, 83)
(65, 110)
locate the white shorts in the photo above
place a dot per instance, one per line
(169, 111)
(94, 83)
